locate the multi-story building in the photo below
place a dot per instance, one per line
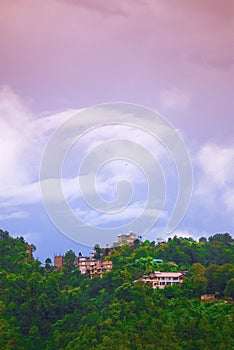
(162, 279)
(125, 238)
(93, 266)
(86, 265)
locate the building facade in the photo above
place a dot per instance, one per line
(160, 280)
(93, 267)
(125, 238)
(86, 265)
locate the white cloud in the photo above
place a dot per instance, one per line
(215, 186)
(14, 215)
(132, 212)
(14, 121)
(217, 163)
(23, 138)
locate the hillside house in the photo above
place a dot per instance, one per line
(162, 279)
(207, 297)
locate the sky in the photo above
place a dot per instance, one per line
(60, 57)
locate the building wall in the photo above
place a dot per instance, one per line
(58, 262)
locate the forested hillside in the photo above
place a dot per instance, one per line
(45, 309)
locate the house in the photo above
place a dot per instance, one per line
(160, 280)
(207, 297)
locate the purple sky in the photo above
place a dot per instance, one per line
(60, 56)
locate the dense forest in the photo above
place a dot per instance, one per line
(41, 308)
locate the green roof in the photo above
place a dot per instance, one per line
(157, 260)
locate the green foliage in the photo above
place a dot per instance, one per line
(43, 309)
(48, 264)
(229, 290)
(69, 260)
(98, 252)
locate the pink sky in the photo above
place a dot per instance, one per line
(175, 56)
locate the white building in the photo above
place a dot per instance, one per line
(162, 279)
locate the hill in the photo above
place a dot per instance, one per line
(45, 309)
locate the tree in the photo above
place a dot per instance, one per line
(224, 274)
(69, 260)
(98, 251)
(136, 243)
(48, 263)
(198, 269)
(199, 285)
(211, 275)
(33, 248)
(229, 290)
(224, 238)
(4, 234)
